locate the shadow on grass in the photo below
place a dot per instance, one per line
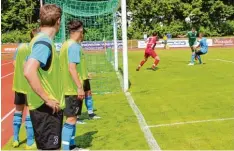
(85, 140)
(152, 69)
(23, 142)
(129, 82)
(84, 115)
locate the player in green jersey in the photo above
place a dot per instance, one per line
(192, 39)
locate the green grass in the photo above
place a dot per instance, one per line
(177, 92)
(174, 93)
(118, 128)
(198, 136)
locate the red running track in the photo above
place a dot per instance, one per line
(7, 103)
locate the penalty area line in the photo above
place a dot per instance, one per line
(191, 122)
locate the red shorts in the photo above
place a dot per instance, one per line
(149, 53)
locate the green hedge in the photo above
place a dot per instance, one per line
(227, 29)
(16, 36)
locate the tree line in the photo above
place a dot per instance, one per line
(213, 17)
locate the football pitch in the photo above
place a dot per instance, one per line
(185, 107)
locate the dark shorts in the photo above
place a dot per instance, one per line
(73, 105)
(200, 53)
(47, 127)
(20, 99)
(86, 85)
(193, 43)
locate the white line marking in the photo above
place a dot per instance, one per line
(6, 63)
(7, 75)
(223, 60)
(103, 93)
(9, 113)
(191, 122)
(141, 120)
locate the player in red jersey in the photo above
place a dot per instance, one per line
(149, 51)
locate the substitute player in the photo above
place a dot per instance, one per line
(87, 88)
(21, 87)
(149, 51)
(204, 47)
(88, 101)
(70, 60)
(192, 38)
(43, 75)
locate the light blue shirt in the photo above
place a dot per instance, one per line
(41, 52)
(74, 53)
(203, 45)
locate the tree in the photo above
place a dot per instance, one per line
(17, 14)
(214, 16)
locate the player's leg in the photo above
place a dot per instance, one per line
(29, 129)
(165, 44)
(195, 50)
(17, 119)
(80, 121)
(71, 111)
(47, 127)
(146, 56)
(156, 59)
(198, 53)
(193, 55)
(89, 100)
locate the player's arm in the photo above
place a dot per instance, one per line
(76, 79)
(198, 46)
(147, 40)
(30, 72)
(156, 42)
(182, 36)
(74, 60)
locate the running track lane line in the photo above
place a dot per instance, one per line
(6, 63)
(141, 120)
(7, 75)
(8, 114)
(191, 122)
